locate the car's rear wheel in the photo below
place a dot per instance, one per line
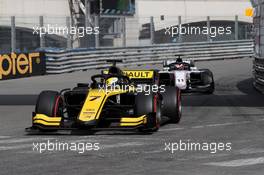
(211, 88)
(172, 106)
(208, 78)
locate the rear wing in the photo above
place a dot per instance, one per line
(167, 63)
(140, 76)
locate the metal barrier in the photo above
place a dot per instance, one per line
(258, 65)
(259, 73)
(69, 61)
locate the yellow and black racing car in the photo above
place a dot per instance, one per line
(115, 100)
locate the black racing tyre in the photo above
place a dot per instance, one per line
(172, 106)
(149, 105)
(49, 103)
(143, 104)
(158, 112)
(208, 78)
(211, 89)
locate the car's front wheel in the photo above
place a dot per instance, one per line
(208, 78)
(50, 104)
(172, 106)
(149, 105)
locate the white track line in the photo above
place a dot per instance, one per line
(130, 138)
(198, 127)
(4, 137)
(250, 151)
(6, 148)
(21, 140)
(213, 125)
(172, 129)
(230, 123)
(238, 162)
(118, 145)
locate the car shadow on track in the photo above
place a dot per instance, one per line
(249, 97)
(87, 133)
(164, 122)
(245, 96)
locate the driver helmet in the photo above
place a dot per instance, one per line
(112, 81)
(179, 60)
(114, 70)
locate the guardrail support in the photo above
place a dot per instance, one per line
(152, 30)
(179, 24)
(97, 37)
(42, 37)
(69, 41)
(236, 27)
(123, 22)
(208, 23)
(13, 34)
(87, 21)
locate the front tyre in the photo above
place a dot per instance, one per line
(149, 105)
(211, 88)
(50, 104)
(172, 106)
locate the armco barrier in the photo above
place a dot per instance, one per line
(69, 61)
(259, 73)
(258, 23)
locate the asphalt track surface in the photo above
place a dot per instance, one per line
(234, 114)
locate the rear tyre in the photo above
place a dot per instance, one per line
(172, 106)
(208, 78)
(211, 89)
(149, 105)
(157, 112)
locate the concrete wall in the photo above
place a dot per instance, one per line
(193, 10)
(27, 12)
(55, 12)
(34, 8)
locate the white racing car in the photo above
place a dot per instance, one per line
(187, 77)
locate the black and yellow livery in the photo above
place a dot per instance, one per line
(101, 105)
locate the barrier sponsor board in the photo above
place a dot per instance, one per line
(19, 65)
